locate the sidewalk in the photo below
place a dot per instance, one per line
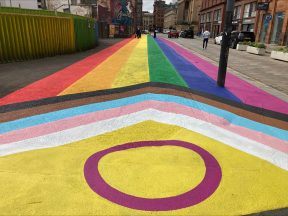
(264, 72)
(16, 75)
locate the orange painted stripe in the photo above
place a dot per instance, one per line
(103, 76)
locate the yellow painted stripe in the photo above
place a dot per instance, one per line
(136, 69)
(51, 181)
(104, 75)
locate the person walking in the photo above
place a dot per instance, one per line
(138, 33)
(206, 35)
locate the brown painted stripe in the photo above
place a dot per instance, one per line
(73, 101)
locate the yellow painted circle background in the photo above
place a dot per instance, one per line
(153, 172)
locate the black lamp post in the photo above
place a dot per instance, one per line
(225, 43)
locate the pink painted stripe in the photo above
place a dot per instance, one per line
(246, 92)
(170, 107)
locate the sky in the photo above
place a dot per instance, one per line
(148, 4)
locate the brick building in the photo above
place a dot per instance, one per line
(273, 23)
(269, 25)
(212, 15)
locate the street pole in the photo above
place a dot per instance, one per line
(225, 43)
(10, 3)
(69, 6)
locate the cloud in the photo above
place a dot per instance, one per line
(148, 4)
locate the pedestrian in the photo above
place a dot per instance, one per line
(138, 33)
(155, 32)
(206, 35)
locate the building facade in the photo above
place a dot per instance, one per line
(29, 4)
(268, 19)
(211, 16)
(77, 7)
(272, 23)
(170, 18)
(187, 14)
(158, 14)
(147, 20)
(138, 15)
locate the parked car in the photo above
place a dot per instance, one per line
(145, 32)
(237, 37)
(173, 33)
(189, 33)
(218, 39)
(166, 31)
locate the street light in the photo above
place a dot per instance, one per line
(225, 43)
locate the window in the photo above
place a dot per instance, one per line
(208, 17)
(277, 28)
(250, 10)
(202, 18)
(237, 12)
(217, 15)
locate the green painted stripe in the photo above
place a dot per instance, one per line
(160, 69)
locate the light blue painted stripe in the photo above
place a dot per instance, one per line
(66, 113)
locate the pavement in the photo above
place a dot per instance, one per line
(17, 75)
(141, 128)
(260, 70)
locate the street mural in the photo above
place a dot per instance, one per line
(120, 12)
(140, 128)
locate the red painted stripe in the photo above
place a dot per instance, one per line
(55, 83)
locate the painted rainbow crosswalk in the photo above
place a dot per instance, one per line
(132, 62)
(141, 129)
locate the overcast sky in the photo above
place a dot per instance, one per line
(148, 4)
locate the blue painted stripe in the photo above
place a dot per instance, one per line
(194, 77)
(75, 111)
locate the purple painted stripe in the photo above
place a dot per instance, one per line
(248, 93)
(194, 77)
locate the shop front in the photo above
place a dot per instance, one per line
(248, 25)
(273, 23)
(277, 34)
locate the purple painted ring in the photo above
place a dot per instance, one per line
(196, 195)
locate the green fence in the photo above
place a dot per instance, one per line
(27, 34)
(86, 34)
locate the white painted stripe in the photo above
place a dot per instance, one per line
(234, 140)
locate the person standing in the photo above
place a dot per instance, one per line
(155, 32)
(206, 35)
(138, 33)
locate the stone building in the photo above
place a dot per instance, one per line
(170, 17)
(138, 15)
(147, 20)
(187, 14)
(77, 7)
(29, 4)
(158, 13)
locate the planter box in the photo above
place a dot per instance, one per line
(254, 50)
(279, 55)
(241, 47)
